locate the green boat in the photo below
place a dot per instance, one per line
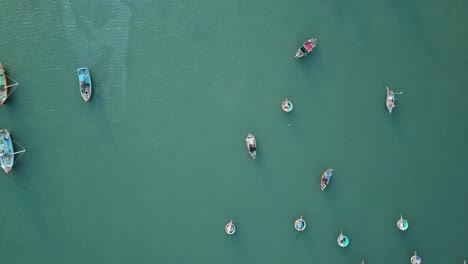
(3, 85)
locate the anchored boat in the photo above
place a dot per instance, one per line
(287, 106)
(230, 228)
(326, 176)
(342, 240)
(3, 85)
(402, 224)
(306, 48)
(6, 151)
(300, 224)
(390, 101)
(415, 259)
(251, 145)
(85, 83)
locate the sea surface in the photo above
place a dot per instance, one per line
(155, 164)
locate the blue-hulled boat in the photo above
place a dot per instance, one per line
(85, 83)
(300, 224)
(7, 154)
(326, 176)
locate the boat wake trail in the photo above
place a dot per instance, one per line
(107, 43)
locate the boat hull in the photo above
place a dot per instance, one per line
(251, 145)
(306, 48)
(287, 106)
(324, 181)
(3, 85)
(7, 156)
(85, 83)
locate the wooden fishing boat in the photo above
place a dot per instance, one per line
(3, 85)
(326, 176)
(7, 154)
(85, 83)
(230, 228)
(287, 106)
(306, 48)
(342, 240)
(251, 145)
(415, 259)
(300, 224)
(402, 224)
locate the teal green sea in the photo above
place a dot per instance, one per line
(155, 164)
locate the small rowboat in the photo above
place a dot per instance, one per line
(306, 48)
(342, 240)
(230, 228)
(251, 145)
(415, 259)
(287, 106)
(402, 224)
(7, 155)
(300, 224)
(326, 176)
(85, 83)
(3, 85)
(390, 100)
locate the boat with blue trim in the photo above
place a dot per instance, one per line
(251, 145)
(85, 83)
(342, 240)
(7, 153)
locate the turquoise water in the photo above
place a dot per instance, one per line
(155, 164)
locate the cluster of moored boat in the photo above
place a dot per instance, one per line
(7, 145)
(300, 223)
(7, 153)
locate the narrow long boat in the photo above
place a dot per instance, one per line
(306, 48)
(251, 145)
(85, 83)
(7, 154)
(390, 101)
(3, 85)
(325, 180)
